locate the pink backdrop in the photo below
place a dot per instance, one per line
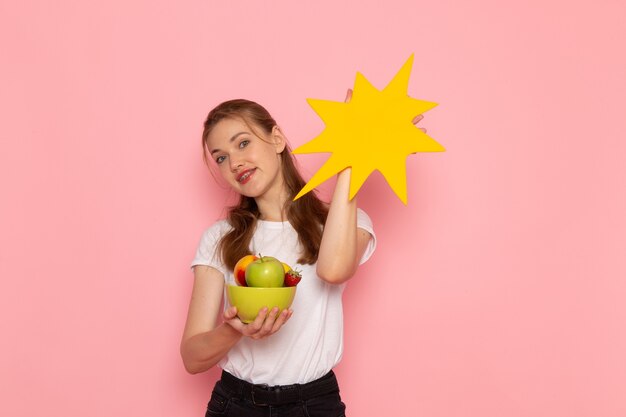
(498, 291)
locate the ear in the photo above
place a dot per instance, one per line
(278, 139)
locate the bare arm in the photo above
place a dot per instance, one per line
(203, 343)
(343, 244)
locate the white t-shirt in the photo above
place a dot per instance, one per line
(311, 342)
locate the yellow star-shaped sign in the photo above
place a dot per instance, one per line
(373, 131)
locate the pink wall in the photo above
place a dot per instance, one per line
(498, 291)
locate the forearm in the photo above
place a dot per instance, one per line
(202, 351)
(337, 261)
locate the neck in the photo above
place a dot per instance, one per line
(272, 207)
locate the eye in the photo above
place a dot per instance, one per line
(244, 143)
(220, 159)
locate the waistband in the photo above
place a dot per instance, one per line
(264, 395)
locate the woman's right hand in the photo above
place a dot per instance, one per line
(265, 324)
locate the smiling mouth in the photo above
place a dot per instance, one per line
(245, 176)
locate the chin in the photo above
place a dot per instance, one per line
(248, 193)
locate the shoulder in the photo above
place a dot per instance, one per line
(217, 230)
(207, 252)
(364, 221)
(362, 218)
(213, 234)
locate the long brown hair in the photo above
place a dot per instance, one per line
(307, 215)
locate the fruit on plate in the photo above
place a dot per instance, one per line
(266, 272)
(292, 278)
(240, 269)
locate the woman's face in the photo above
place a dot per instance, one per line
(249, 163)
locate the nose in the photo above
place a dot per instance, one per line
(235, 164)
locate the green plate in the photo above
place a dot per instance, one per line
(249, 300)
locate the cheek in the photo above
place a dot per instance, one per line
(271, 157)
(223, 170)
(218, 172)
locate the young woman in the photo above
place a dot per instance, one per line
(280, 364)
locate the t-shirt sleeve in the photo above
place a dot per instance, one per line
(207, 252)
(364, 222)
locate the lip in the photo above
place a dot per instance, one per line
(245, 180)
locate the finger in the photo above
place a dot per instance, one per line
(422, 129)
(237, 325)
(230, 313)
(348, 95)
(254, 327)
(230, 317)
(282, 319)
(417, 118)
(268, 325)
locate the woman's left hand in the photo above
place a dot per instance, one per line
(416, 120)
(267, 322)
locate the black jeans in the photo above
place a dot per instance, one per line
(231, 398)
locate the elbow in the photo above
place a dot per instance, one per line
(337, 268)
(194, 370)
(193, 365)
(334, 276)
(191, 369)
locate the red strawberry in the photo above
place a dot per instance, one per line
(292, 278)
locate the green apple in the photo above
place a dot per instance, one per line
(265, 272)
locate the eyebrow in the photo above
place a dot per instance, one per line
(235, 136)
